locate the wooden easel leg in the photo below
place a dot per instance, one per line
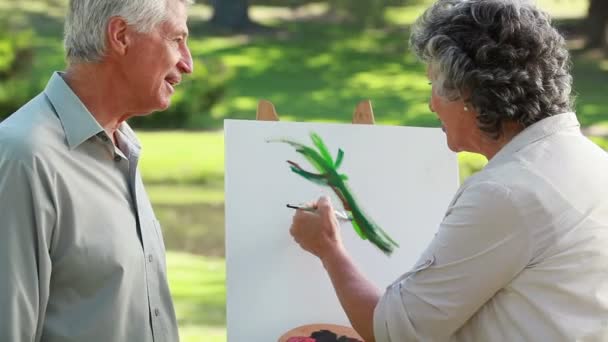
(266, 111)
(363, 113)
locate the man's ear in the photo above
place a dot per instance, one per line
(117, 36)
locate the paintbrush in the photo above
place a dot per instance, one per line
(340, 215)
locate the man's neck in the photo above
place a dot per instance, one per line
(100, 94)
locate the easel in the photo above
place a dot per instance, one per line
(363, 113)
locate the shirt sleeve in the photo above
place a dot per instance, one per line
(481, 245)
(26, 218)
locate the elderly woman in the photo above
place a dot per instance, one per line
(522, 252)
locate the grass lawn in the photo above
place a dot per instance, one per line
(198, 287)
(182, 158)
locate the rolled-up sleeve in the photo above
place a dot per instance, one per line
(26, 218)
(481, 245)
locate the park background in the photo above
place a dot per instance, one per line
(315, 60)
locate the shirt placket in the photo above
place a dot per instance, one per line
(151, 255)
(127, 162)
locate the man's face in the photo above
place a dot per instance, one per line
(156, 60)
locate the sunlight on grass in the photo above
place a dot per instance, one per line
(559, 9)
(200, 12)
(32, 6)
(320, 60)
(198, 288)
(564, 9)
(202, 334)
(273, 15)
(391, 79)
(601, 142)
(180, 157)
(185, 194)
(404, 15)
(216, 44)
(246, 103)
(329, 69)
(470, 163)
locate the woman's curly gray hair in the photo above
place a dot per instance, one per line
(502, 57)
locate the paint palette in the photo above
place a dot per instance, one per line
(321, 333)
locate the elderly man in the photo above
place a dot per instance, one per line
(81, 253)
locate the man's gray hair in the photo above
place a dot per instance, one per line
(87, 20)
(502, 57)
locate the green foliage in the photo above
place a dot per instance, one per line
(601, 142)
(198, 288)
(311, 71)
(16, 58)
(14, 93)
(470, 163)
(367, 13)
(320, 73)
(15, 46)
(193, 99)
(31, 49)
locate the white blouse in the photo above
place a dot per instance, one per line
(521, 254)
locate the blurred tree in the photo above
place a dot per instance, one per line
(366, 13)
(232, 15)
(596, 24)
(16, 61)
(57, 3)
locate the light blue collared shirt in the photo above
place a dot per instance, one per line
(81, 252)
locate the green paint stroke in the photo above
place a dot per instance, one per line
(328, 175)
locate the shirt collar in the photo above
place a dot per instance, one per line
(129, 134)
(535, 132)
(78, 123)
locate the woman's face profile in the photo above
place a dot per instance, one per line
(457, 121)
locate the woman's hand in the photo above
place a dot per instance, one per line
(317, 232)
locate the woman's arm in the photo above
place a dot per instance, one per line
(318, 233)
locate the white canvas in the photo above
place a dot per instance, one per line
(403, 177)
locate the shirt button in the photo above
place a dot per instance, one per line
(156, 312)
(117, 158)
(150, 258)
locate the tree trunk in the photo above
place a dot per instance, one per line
(231, 14)
(597, 24)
